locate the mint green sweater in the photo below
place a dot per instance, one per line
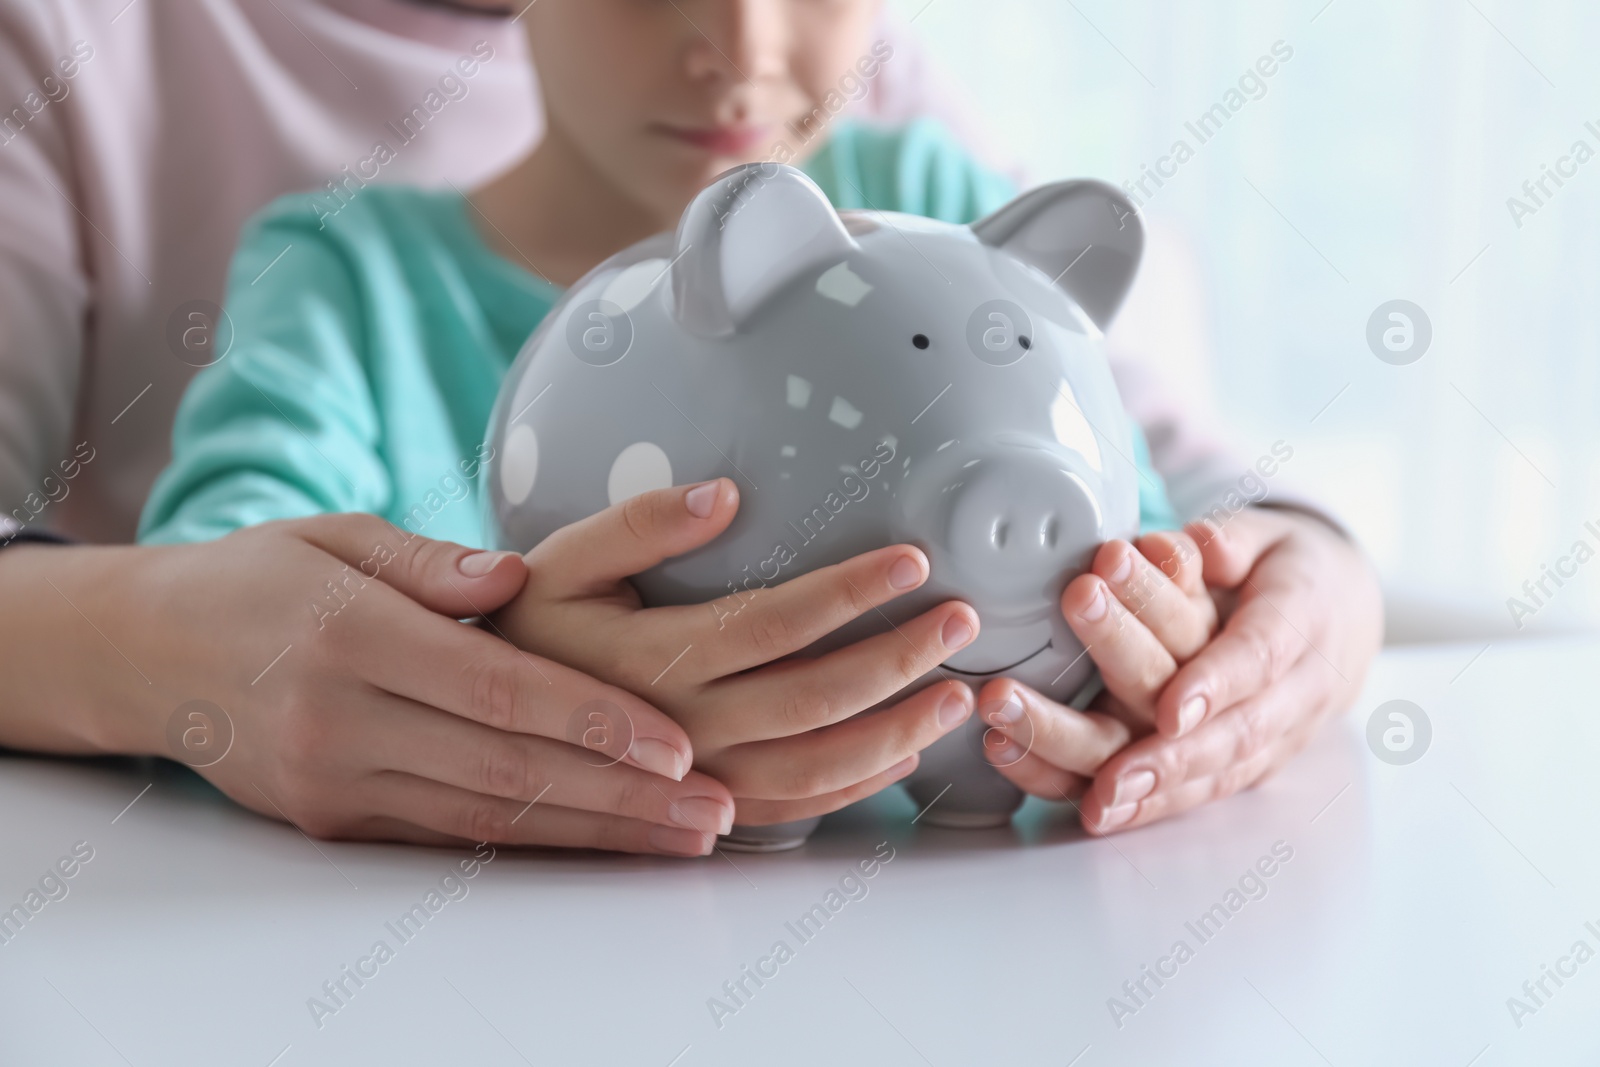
(368, 347)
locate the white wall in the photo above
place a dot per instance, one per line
(1391, 141)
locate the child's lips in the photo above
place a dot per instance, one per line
(720, 140)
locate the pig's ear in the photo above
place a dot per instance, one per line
(1084, 234)
(745, 235)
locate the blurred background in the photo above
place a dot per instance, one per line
(1375, 164)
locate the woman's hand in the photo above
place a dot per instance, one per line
(784, 737)
(356, 704)
(1306, 621)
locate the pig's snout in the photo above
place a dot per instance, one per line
(1017, 520)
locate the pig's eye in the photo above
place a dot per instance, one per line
(920, 340)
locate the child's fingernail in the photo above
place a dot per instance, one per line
(702, 499)
(1115, 817)
(478, 564)
(1190, 713)
(1095, 610)
(1007, 712)
(954, 711)
(905, 573)
(957, 632)
(679, 842)
(705, 814)
(1132, 787)
(658, 757)
(1007, 754)
(1124, 567)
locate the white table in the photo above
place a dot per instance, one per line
(1418, 899)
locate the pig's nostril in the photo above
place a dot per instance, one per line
(1051, 528)
(999, 533)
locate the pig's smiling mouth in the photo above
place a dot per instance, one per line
(999, 670)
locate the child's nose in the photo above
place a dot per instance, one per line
(735, 40)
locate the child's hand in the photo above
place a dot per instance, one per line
(781, 736)
(1141, 611)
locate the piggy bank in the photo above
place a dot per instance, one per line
(867, 378)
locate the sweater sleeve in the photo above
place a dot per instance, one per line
(44, 284)
(283, 425)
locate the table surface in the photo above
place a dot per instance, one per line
(1417, 901)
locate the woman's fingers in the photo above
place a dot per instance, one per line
(1153, 774)
(1133, 663)
(490, 681)
(1260, 642)
(798, 695)
(421, 742)
(1229, 552)
(443, 577)
(1181, 623)
(755, 812)
(590, 556)
(836, 757)
(437, 808)
(758, 625)
(1023, 722)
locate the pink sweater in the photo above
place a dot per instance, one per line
(134, 142)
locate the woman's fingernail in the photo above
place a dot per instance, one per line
(905, 574)
(957, 632)
(706, 814)
(1124, 567)
(702, 499)
(1132, 787)
(1115, 817)
(1095, 610)
(1190, 712)
(478, 564)
(658, 757)
(679, 842)
(954, 711)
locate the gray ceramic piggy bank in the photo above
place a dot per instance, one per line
(867, 379)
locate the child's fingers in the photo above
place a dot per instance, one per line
(1180, 622)
(754, 812)
(836, 757)
(1175, 554)
(475, 817)
(1024, 722)
(1133, 663)
(759, 625)
(590, 556)
(1039, 777)
(797, 695)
